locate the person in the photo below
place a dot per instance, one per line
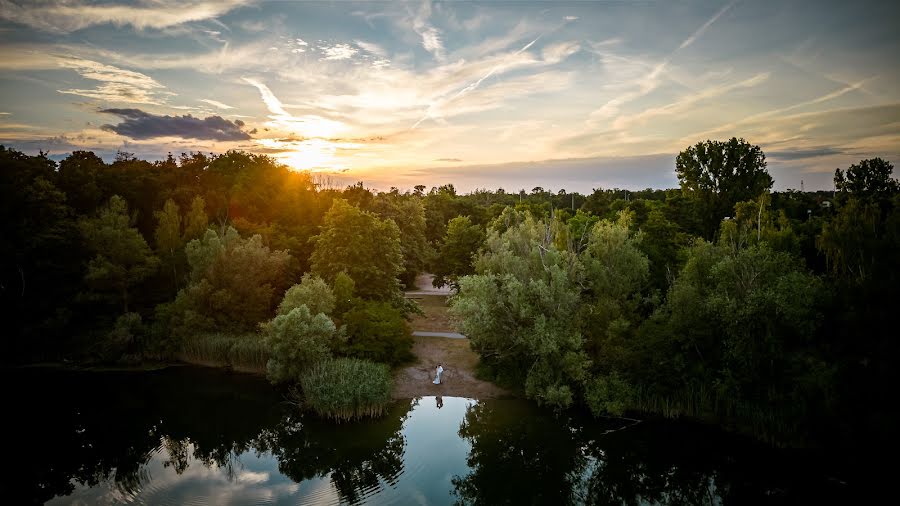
(437, 375)
(440, 402)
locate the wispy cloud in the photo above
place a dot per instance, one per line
(215, 103)
(431, 36)
(69, 16)
(651, 80)
(118, 85)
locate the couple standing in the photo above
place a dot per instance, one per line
(437, 374)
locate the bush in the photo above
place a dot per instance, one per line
(377, 331)
(296, 341)
(347, 388)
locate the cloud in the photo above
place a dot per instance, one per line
(431, 36)
(215, 103)
(801, 154)
(651, 80)
(448, 160)
(338, 52)
(138, 124)
(70, 16)
(119, 85)
(694, 36)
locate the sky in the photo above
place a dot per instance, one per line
(562, 95)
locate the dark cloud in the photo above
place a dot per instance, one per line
(138, 124)
(800, 154)
(448, 160)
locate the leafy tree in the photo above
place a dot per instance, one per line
(457, 252)
(409, 215)
(297, 340)
(377, 331)
(520, 311)
(720, 174)
(168, 236)
(122, 258)
(361, 245)
(869, 179)
(196, 221)
(312, 292)
(233, 283)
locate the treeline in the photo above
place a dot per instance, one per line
(720, 298)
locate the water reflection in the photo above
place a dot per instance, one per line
(572, 460)
(202, 436)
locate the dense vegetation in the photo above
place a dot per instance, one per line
(718, 299)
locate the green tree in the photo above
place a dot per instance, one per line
(720, 174)
(297, 340)
(409, 214)
(457, 252)
(361, 245)
(122, 258)
(233, 283)
(377, 331)
(520, 311)
(869, 179)
(312, 292)
(196, 221)
(169, 242)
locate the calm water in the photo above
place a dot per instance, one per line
(203, 436)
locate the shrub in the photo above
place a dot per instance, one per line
(347, 388)
(296, 341)
(377, 331)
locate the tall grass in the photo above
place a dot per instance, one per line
(246, 352)
(347, 389)
(766, 422)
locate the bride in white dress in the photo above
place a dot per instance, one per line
(437, 375)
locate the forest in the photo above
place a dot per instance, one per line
(768, 311)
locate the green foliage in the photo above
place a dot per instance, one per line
(457, 251)
(718, 175)
(408, 213)
(609, 394)
(361, 245)
(312, 292)
(122, 258)
(233, 283)
(343, 288)
(346, 389)
(297, 340)
(377, 331)
(520, 310)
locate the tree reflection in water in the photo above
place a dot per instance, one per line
(520, 455)
(89, 428)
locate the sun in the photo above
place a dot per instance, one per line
(311, 154)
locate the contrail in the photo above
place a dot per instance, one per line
(475, 85)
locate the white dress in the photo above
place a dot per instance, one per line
(437, 376)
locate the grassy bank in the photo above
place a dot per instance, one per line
(242, 352)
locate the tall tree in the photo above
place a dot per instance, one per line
(457, 252)
(122, 258)
(719, 175)
(363, 246)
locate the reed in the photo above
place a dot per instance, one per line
(246, 352)
(765, 422)
(347, 389)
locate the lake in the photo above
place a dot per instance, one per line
(186, 435)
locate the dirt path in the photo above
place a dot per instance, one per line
(459, 378)
(453, 353)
